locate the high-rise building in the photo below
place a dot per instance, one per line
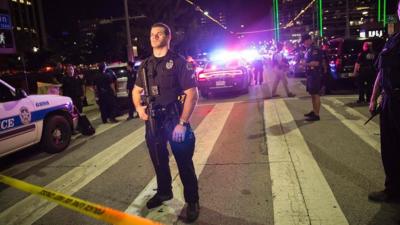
(28, 24)
(332, 18)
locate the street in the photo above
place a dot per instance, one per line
(258, 162)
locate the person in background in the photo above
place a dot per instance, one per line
(73, 86)
(106, 94)
(258, 71)
(130, 84)
(280, 66)
(314, 69)
(365, 72)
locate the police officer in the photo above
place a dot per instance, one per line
(169, 75)
(281, 69)
(365, 72)
(313, 62)
(388, 80)
(105, 92)
(129, 86)
(73, 86)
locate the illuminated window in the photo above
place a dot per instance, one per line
(22, 1)
(28, 3)
(14, 0)
(18, 28)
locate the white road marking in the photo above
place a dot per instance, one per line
(366, 132)
(30, 209)
(207, 134)
(21, 167)
(301, 193)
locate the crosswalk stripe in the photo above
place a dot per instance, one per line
(300, 191)
(366, 132)
(21, 167)
(30, 209)
(207, 134)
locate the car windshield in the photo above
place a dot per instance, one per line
(222, 65)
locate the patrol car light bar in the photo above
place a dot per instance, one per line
(220, 73)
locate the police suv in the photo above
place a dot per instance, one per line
(27, 120)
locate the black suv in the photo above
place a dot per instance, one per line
(342, 55)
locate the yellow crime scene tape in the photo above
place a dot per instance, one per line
(90, 209)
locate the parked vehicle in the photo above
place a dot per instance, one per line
(28, 120)
(223, 76)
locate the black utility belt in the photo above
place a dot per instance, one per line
(173, 108)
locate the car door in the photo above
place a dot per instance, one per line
(16, 127)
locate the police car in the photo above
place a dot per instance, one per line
(28, 120)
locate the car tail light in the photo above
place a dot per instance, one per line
(338, 64)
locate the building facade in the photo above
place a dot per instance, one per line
(357, 19)
(28, 24)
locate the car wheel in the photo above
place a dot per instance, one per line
(56, 134)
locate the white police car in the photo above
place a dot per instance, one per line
(27, 120)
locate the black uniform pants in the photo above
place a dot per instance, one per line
(183, 153)
(107, 105)
(390, 142)
(258, 76)
(131, 106)
(78, 102)
(365, 84)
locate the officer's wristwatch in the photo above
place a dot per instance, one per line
(183, 123)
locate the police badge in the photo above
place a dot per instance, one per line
(24, 115)
(169, 64)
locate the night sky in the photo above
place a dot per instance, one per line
(61, 15)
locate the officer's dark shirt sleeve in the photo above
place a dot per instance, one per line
(187, 76)
(139, 77)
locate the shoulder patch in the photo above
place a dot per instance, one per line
(169, 64)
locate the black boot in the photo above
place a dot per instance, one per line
(192, 211)
(384, 196)
(158, 199)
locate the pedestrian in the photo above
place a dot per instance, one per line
(73, 86)
(258, 71)
(314, 66)
(169, 75)
(106, 94)
(280, 65)
(129, 86)
(364, 71)
(388, 80)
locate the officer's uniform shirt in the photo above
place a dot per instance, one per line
(72, 86)
(388, 60)
(104, 80)
(366, 60)
(172, 74)
(314, 73)
(314, 54)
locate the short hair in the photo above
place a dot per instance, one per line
(167, 30)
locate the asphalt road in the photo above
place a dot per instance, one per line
(257, 159)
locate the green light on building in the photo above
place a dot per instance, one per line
(276, 19)
(379, 10)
